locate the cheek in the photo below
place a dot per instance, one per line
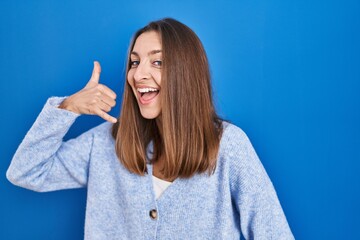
(157, 78)
(130, 77)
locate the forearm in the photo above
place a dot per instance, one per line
(35, 154)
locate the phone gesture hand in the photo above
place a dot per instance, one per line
(94, 98)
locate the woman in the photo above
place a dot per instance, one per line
(168, 167)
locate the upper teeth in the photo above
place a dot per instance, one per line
(144, 90)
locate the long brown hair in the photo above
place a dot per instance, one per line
(190, 133)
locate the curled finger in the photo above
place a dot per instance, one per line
(104, 106)
(108, 100)
(104, 89)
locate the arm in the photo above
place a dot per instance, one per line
(261, 215)
(43, 162)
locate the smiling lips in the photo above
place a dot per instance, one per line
(147, 95)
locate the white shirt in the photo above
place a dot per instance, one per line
(160, 186)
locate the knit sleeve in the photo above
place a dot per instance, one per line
(43, 162)
(260, 212)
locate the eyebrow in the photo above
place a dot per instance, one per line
(150, 53)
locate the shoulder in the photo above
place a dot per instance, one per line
(103, 128)
(236, 147)
(233, 137)
(245, 167)
(101, 131)
(98, 137)
(231, 129)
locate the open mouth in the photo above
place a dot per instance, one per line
(147, 94)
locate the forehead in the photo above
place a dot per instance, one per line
(147, 42)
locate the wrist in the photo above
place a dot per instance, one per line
(66, 105)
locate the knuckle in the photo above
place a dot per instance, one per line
(107, 108)
(100, 87)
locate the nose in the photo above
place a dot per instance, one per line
(142, 72)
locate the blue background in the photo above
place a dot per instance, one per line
(287, 72)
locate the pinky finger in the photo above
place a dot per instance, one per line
(105, 116)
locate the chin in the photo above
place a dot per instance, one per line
(147, 114)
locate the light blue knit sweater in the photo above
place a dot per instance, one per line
(238, 198)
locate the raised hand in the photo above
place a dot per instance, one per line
(94, 98)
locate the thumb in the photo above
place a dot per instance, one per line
(95, 77)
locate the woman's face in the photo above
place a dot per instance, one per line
(144, 75)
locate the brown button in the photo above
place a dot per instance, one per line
(153, 214)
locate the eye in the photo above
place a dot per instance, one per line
(157, 63)
(134, 64)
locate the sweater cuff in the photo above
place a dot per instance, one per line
(52, 113)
